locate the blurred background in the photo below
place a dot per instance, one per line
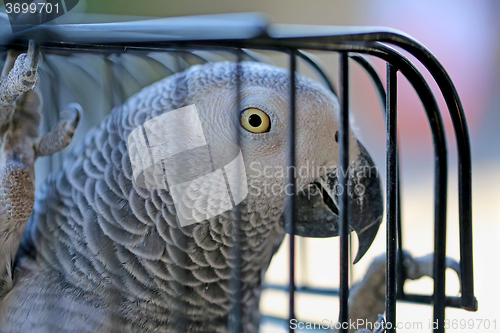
(464, 35)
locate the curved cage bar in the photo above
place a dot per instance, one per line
(237, 35)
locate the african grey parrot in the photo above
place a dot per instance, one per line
(102, 254)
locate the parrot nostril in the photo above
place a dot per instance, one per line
(337, 136)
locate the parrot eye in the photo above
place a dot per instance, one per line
(255, 121)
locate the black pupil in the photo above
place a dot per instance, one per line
(255, 120)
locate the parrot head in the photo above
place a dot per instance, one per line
(258, 127)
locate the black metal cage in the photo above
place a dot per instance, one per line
(236, 34)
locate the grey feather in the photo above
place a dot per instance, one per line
(103, 235)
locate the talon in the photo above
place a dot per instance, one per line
(381, 324)
(32, 55)
(20, 79)
(72, 113)
(424, 266)
(60, 137)
(30, 64)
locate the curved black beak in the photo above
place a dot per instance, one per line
(317, 210)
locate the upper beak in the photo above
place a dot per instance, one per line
(317, 210)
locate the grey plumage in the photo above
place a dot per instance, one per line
(107, 237)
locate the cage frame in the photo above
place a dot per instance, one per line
(237, 32)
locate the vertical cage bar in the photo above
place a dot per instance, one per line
(343, 197)
(468, 301)
(236, 313)
(401, 273)
(180, 319)
(290, 195)
(392, 198)
(379, 86)
(439, 269)
(440, 226)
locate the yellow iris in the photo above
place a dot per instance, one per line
(255, 121)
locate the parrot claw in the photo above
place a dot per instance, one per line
(20, 146)
(18, 76)
(367, 297)
(60, 137)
